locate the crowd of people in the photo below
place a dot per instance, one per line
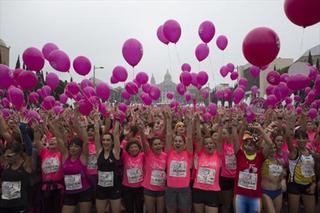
(159, 160)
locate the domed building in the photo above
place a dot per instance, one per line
(4, 53)
(166, 86)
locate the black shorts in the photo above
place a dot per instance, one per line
(298, 189)
(208, 198)
(153, 193)
(108, 193)
(74, 199)
(226, 184)
(13, 210)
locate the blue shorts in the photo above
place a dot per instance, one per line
(272, 193)
(244, 204)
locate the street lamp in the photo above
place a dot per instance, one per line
(94, 74)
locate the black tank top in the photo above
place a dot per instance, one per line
(14, 187)
(110, 165)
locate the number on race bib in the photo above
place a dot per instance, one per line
(105, 179)
(247, 180)
(50, 165)
(11, 190)
(275, 170)
(206, 175)
(231, 162)
(158, 178)
(178, 168)
(135, 175)
(92, 162)
(73, 182)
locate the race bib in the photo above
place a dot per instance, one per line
(50, 165)
(231, 162)
(307, 169)
(92, 162)
(73, 182)
(178, 168)
(105, 179)
(158, 178)
(11, 190)
(135, 175)
(206, 175)
(247, 180)
(275, 170)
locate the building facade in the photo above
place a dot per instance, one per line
(4, 53)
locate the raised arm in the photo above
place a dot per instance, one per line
(96, 120)
(189, 123)
(4, 131)
(27, 142)
(116, 138)
(169, 133)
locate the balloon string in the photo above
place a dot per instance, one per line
(301, 43)
(132, 73)
(170, 62)
(178, 57)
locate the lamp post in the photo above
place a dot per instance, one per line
(94, 74)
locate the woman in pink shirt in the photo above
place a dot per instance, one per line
(179, 162)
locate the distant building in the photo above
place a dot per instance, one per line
(4, 53)
(166, 86)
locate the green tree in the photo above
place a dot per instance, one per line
(318, 64)
(18, 65)
(310, 61)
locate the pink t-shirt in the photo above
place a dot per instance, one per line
(92, 168)
(51, 165)
(178, 169)
(133, 169)
(229, 161)
(155, 171)
(207, 171)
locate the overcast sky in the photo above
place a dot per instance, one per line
(97, 29)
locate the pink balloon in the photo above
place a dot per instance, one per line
(52, 80)
(243, 82)
(57, 110)
(132, 51)
(222, 42)
(205, 94)
(85, 107)
(33, 98)
(63, 98)
(288, 100)
(73, 88)
(181, 89)
(82, 65)
(219, 94)
(317, 83)
(131, 88)
(202, 52)
(230, 67)
(142, 78)
(48, 102)
(227, 94)
(146, 99)
(212, 109)
(161, 36)
(187, 97)
(5, 113)
(113, 80)
(125, 95)
(5, 77)
(185, 78)
(47, 49)
(86, 83)
(254, 71)
(234, 75)
(310, 97)
(273, 78)
(194, 80)
(186, 67)
(27, 80)
(122, 107)
(33, 59)
(261, 46)
(172, 30)
(5, 102)
(238, 95)
(301, 12)
(202, 78)
(95, 101)
(284, 77)
(271, 101)
(206, 31)
(206, 117)
(270, 89)
(224, 71)
(89, 92)
(313, 113)
(103, 91)
(170, 95)
(137, 83)
(298, 82)
(146, 88)
(46, 91)
(254, 90)
(312, 72)
(120, 73)
(154, 93)
(59, 61)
